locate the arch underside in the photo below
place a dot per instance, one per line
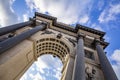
(25, 53)
(52, 46)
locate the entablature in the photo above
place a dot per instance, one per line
(90, 33)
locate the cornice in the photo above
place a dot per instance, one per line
(70, 28)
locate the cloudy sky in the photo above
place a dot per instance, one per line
(103, 15)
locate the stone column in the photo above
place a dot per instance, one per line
(70, 66)
(79, 65)
(14, 27)
(105, 64)
(9, 43)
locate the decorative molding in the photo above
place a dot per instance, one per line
(47, 32)
(97, 41)
(72, 41)
(59, 35)
(69, 28)
(81, 35)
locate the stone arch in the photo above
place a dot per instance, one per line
(52, 45)
(25, 54)
(50, 68)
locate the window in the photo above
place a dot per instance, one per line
(89, 54)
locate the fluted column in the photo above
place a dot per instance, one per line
(105, 64)
(79, 65)
(14, 27)
(9, 43)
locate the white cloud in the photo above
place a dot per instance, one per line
(49, 63)
(41, 65)
(107, 38)
(46, 65)
(67, 11)
(37, 76)
(100, 4)
(97, 27)
(25, 17)
(84, 19)
(7, 15)
(116, 57)
(109, 14)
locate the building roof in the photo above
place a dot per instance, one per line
(70, 28)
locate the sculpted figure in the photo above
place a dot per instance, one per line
(90, 73)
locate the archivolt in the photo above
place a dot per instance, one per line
(52, 46)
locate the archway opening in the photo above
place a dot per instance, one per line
(51, 54)
(47, 67)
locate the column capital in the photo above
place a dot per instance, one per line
(97, 41)
(33, 20)
(80, 35)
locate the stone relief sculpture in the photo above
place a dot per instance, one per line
(59, 35)
(90, 73)
(72, 41)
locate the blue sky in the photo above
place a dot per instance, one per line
(103, 15)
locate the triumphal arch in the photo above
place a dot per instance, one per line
(80, 48)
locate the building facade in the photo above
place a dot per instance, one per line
(81, 49)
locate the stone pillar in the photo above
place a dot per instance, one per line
(9, 43)
(14, 27)
(70, 66)
(79, 65)
(105, 64)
